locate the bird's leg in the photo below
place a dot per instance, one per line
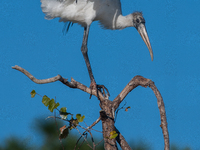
(84, 50)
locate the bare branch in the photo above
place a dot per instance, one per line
(139, 80)
(79, 140)
(121, 140)
(161, 107)
(43, 81)
(72, 84)
(83, 137)
(99, 142)
(94, 123)
(92, 139)
(136, 81)
(118, 110)
(87, 130)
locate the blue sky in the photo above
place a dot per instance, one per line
(38, 45)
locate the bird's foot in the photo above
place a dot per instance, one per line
(101, 88)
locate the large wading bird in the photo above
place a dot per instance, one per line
(84, 12)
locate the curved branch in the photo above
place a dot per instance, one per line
(30, 76)
(161, 107)
(139, 80)
(136, 81)
(72, 84)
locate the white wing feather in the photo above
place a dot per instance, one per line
(83, 12)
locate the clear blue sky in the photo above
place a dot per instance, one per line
(38, 45)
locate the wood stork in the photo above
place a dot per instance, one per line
(84, 12)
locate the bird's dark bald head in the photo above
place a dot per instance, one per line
(139, 24)
(137, 19)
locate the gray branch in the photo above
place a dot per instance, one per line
(30, 76)
(139, 80)
(72, 84)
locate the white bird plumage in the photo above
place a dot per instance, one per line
(84, 12)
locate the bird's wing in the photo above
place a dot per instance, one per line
(107, 12)
(54, 8)
(76, 11)
(83, 12)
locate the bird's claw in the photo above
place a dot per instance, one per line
(101, 88)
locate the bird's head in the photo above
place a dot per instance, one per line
(139, 24)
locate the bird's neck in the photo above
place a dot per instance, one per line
(124, 21)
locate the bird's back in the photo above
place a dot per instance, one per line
(83, 11)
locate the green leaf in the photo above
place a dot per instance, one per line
(82, 118)
(63, 109)
(113, 135)
(45, 100)
(51, 105)
(57, 104)
(33, 93)
(79, 118)
(63, 113)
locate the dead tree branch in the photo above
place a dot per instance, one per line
(163, 117)
(107, 115)
(30, 76)
(136, 81)
(88, 130)
(72, 84)
(139, 80)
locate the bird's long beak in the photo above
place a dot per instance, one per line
(143, 33)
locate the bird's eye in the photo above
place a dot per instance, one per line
(137, 20)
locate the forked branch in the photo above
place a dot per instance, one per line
(136, 81)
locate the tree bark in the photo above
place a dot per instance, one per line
(107, 118)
